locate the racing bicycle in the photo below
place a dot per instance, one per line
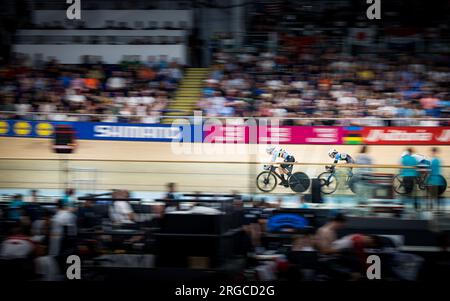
(329, 181)
(267, 180)
(402, 188)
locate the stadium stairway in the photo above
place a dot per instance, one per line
(188, 94)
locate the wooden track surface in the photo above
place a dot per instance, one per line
(211, 177)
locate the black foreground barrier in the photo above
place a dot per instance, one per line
(415, 232)
(199, 241)
(207, 246)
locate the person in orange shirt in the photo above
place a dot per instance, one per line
(146, 74)
(325, 82)
(91, 83)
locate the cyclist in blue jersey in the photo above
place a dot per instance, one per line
(337, 156)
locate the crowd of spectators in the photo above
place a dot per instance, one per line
(127, 92)
(36, 237)
(324, 83)
(307, 86)
(364, 90)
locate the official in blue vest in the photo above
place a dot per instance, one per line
(409, 175)
(435, 179)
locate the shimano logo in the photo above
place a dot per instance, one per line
(139, 132)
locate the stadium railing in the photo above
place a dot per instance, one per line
(363, 121)
(153, 175)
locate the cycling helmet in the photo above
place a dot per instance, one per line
(270, 149)
(332, 152)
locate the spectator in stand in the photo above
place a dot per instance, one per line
(327, 234)
(352, 249)
(77, 83)
(174, 72)
(32, 207)
(87, 217)
(75, 97)
(216, 105)
(18, 244)
(16, 208)
(91, 83)
(69, 198)
(172, 197)
(302, 202)
(18, 252)
(121, 212)
(116, 82)
(63, 226)
(40, 228)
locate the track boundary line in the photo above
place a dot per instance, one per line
(343, 165)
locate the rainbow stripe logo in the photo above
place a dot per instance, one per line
(352, 135)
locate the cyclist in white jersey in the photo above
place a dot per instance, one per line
(277, 153)
(422, 161)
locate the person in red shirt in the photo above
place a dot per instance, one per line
(357, 244)
(17, 245)
(18, 252)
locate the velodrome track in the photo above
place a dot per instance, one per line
(135, 166)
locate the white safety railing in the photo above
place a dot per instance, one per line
(419, 121)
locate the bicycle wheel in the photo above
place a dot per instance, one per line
(328, 182)
(299, 182)
(266, 181)
(422, 183)
(442, 188)
(399, 185)
(352, 182)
